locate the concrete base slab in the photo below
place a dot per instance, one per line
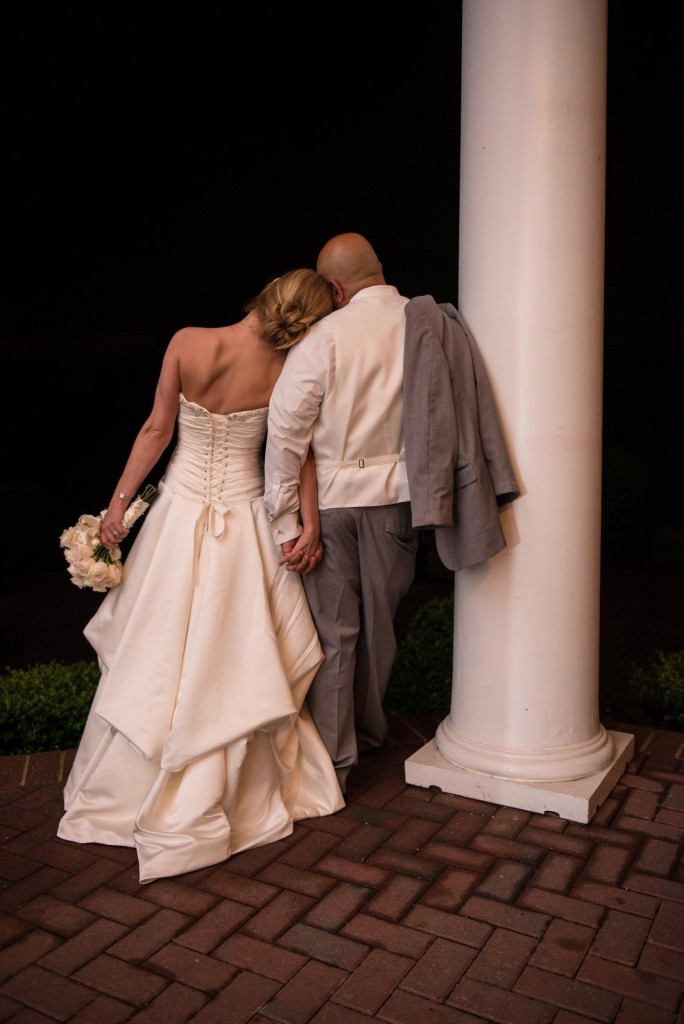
(576, 800)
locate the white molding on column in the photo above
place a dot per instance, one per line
(559, 763)
(574, 800)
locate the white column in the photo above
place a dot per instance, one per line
(524, 726)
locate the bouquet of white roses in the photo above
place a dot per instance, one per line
(89, 562)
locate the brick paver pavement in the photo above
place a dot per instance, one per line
(407, 906)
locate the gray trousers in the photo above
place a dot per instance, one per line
(369, 560)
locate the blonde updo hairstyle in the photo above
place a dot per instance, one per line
(289, 305)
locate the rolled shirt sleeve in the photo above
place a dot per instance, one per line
(293, 409)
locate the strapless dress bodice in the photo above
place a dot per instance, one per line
(218, 457)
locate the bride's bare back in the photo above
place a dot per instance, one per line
(227, 369)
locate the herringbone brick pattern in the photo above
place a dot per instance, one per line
(408, 906)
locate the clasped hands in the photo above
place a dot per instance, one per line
(302, 554)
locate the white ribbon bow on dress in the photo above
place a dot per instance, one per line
(210, 520)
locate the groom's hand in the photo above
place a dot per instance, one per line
(300, 556)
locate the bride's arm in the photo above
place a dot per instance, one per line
(150, 443)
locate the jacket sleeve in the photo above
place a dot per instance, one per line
(430, 431)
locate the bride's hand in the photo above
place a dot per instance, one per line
(112, 529)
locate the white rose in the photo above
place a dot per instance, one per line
(78, 553)
(65, 539)
(79, 573)
(86, 531)
(78, 562)
(99, 576)
(115, 574)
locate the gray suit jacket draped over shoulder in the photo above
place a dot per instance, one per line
(459, 469)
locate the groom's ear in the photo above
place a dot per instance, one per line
(337, 292)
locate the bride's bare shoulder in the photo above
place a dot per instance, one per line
(193, 335)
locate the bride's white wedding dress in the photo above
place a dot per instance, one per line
(199, 742)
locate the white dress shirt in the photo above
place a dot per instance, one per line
(340, 391)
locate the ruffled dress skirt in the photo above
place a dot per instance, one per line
(199, 742)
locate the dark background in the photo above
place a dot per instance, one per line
(160, 171)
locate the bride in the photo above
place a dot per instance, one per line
(199, 742)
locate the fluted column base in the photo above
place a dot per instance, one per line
(560, 763)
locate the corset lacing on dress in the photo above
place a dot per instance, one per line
(218, 461)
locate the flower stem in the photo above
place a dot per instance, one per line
(148, 494)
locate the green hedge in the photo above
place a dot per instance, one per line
(44, 707)
(655, 692)
(420, 682)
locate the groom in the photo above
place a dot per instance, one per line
(340, 391)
